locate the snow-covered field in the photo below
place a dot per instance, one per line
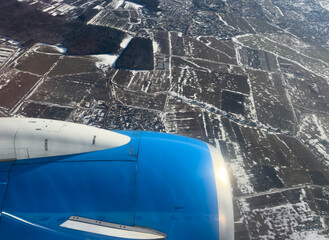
(259, 95)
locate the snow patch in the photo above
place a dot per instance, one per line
(132, 6)
(115, 4)
(290, 220)
(222, 20)
(125, 41)
(61, 50)
(156, 47)
(238, 170)
(312, 133)
(324, 4)
(99, 7)
(57, 8)
(279, 11)
(104, 61)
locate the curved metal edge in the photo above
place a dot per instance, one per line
(224, 196)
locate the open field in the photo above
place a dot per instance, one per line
(18, 86)
(37, 110)
(69, 92)
(149, 82)
(307, 90)
(262, 43)
(141, 100)
(73, 65)
(249, 77)
(181, 118)
(36, 63)
(272, 105)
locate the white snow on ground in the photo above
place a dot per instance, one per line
(222, 20)
(289, 220)
(207, 43)
(190, 49)
(99, 7)
(54, 8)
(58, 9)
(132, 78)
(238, 170)
(308, 236)
(12, 42)
(61, 50)
(156, 47)
(238, 48)
(125, 41)
(5, 79)
(279, 11)
(243, 205)
(115, 4)
(314, 65)
(147, 87)
(324, 4)
(312, 133)
(48, 8)
(289, 40)
(251, 106)
(104, 61)
(132, 6)
(95, 18)
(58, 48)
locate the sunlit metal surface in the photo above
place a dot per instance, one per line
(110, 229)
(23, 138)
(224, 196)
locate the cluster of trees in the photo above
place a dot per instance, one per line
(138, 55)
(28, 25)
(81, 39)
(204, 4)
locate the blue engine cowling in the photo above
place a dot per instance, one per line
(151, 186)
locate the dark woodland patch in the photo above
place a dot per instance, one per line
(28, 25)
(232, 102)
(138, 55)
(87, 39)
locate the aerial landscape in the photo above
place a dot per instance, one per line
(249, 77)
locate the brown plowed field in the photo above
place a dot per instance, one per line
(16, 89)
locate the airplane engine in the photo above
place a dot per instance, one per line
(61, 180)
